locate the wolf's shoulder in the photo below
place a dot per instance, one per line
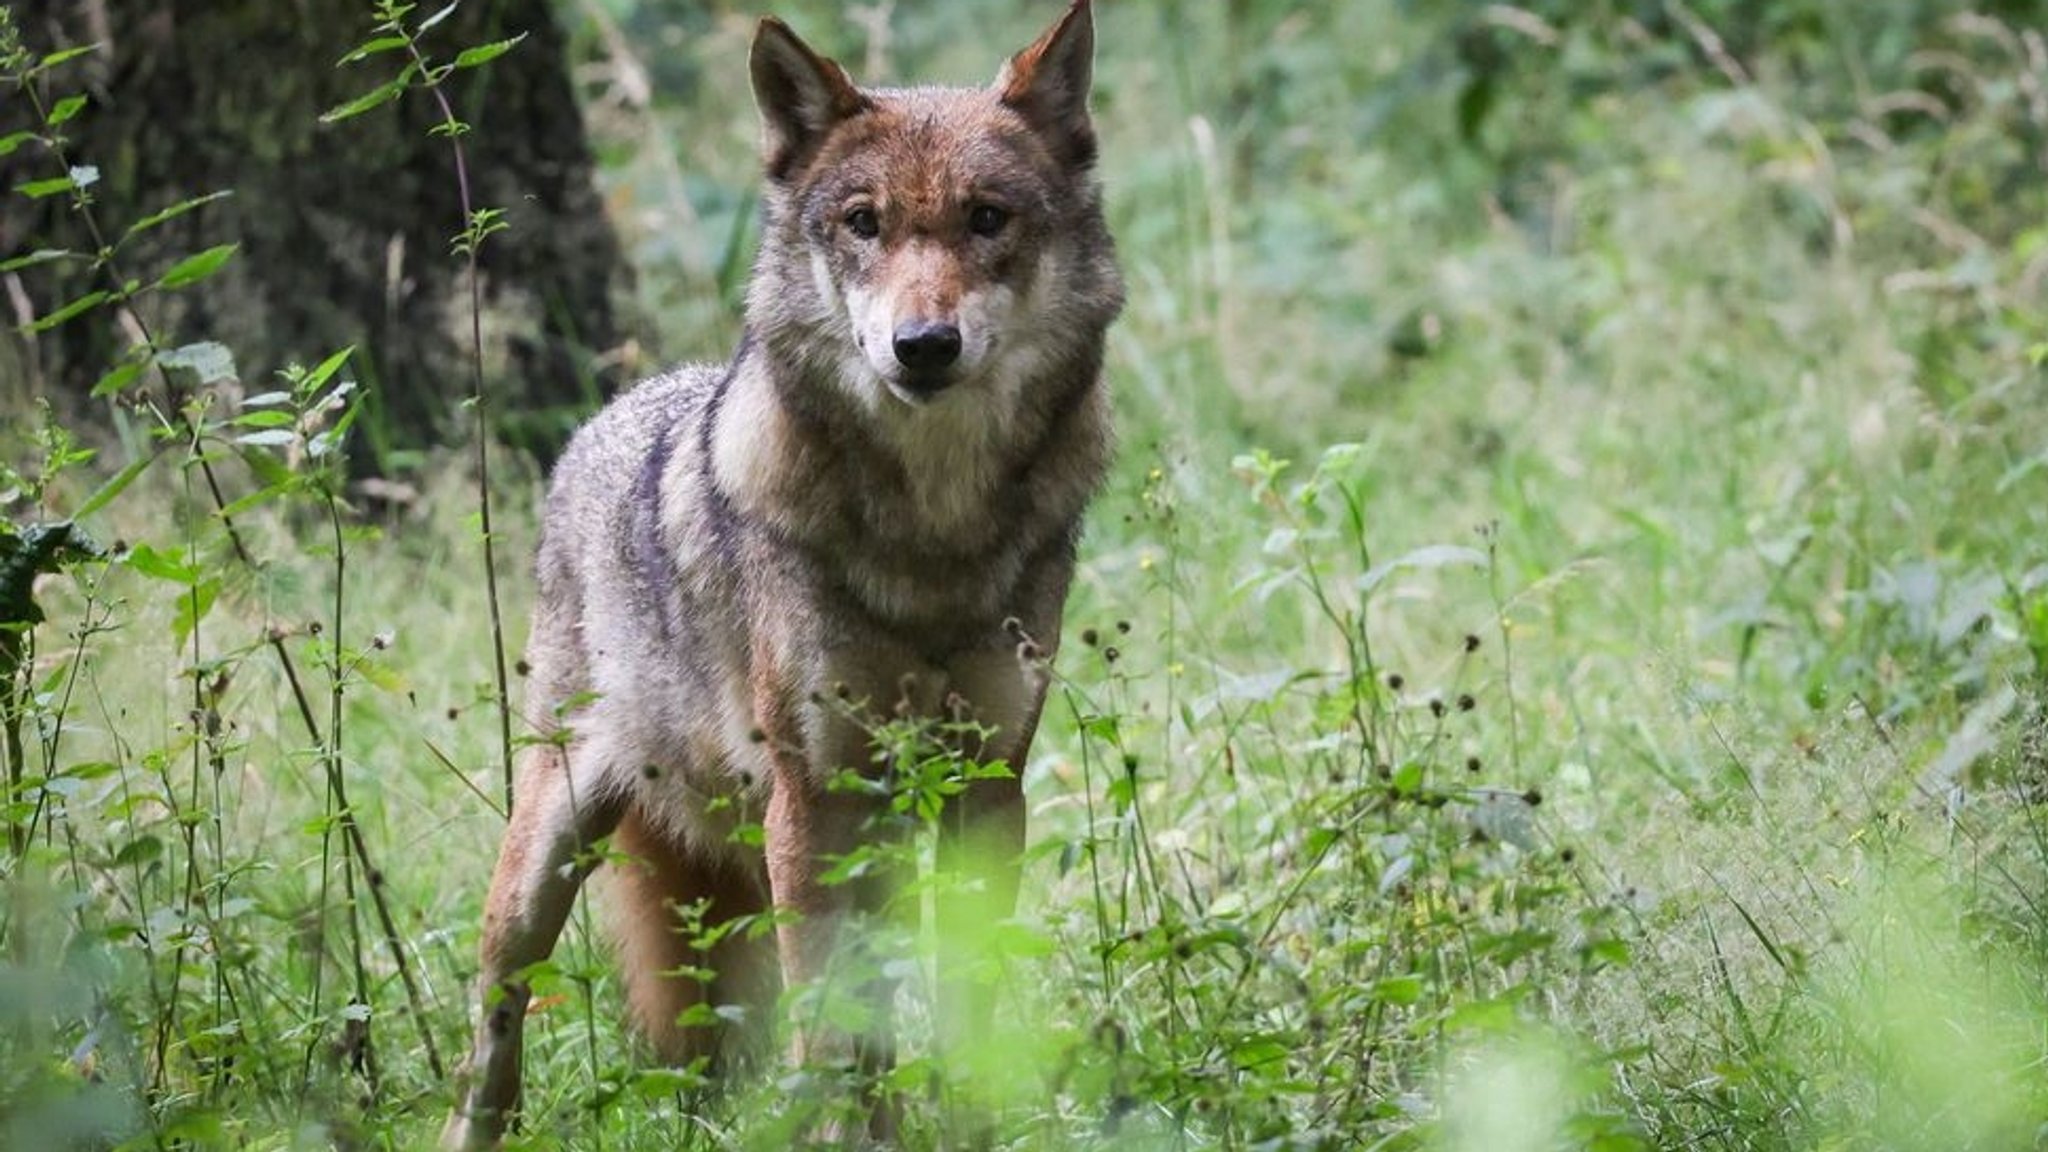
(612, 443)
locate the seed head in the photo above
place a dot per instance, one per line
(1532, 797)
(1466, 703)
(1396, 681)
(1471, 642)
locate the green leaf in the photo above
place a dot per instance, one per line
(84, 303)
(197, 266)
(114, 486)
(39, 256)
(63, 110)
(258, 497)
(382, 94)
(119, 379)
(14, 140)
(62, 55)
(327, 368)
(160, 565)
(485, 53)
(268, 468)
(265, 418)
(193, 607)
(1495, 1016)
(1402, 990)
(38, 189)
(371, 48)
(139, 850)
(170, 213)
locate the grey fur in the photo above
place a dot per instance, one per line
(728, 548)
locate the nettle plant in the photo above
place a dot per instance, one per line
(132, 1000)
(1308, 889)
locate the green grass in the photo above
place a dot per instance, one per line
(1687, 424)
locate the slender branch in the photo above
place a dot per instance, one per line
(472, 242)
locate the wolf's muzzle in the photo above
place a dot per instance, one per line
(926, 349)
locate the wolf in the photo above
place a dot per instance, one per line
(874, 505)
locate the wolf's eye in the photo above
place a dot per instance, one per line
(986, 219)
(863, 222)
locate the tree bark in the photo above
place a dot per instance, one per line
(344, 229)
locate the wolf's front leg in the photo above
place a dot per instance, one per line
(981, 835)
(834, 859)
(823, 931)
(540, 867)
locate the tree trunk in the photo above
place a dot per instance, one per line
(344, 229)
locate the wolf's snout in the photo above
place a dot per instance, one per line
(925, 347)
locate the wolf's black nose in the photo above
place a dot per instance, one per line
(923, 346)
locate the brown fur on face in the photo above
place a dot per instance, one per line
(727, 550)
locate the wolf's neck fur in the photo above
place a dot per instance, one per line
(967, 487)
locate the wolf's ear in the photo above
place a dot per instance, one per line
(801, 95)
(1048, 83)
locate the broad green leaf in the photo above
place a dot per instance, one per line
(267, 467)
(118, 379)
(39, 256)
(84, 303)
(382, 94)
(371, 48)
(266, 418)
(64, 54)
(1402, 990)
(197, 266)
(114, 486)
(259, 497)
(160, 565)
(14, 140)
(485, 53)
(327, 368)
(64, 110)
(193, 607)
(38, 189)
(171, 213)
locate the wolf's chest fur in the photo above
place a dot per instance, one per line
(873, 506)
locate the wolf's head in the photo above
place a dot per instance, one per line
(926, 245)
